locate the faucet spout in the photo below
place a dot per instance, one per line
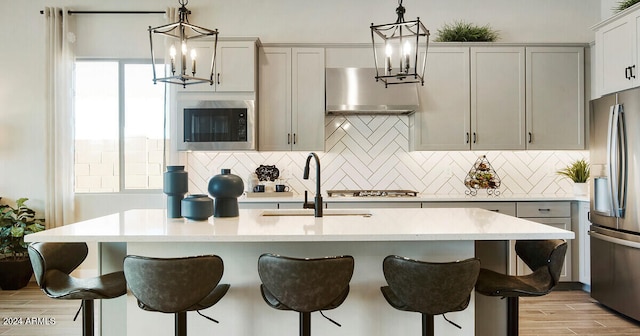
(318, 198)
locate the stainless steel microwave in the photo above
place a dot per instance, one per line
(217, 125)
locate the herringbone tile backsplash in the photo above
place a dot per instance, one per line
(366, 152)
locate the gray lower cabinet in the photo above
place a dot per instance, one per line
(556, 214)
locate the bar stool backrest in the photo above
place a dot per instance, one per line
(172, 285)
(55, 257)
(431, 288)
(543, 256)
(305, 285)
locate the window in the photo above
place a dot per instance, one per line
(119, 116)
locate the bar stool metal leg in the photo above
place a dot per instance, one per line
(305, 324)
(87, 317)
(181, 324)
(427, 325)
(512, 317)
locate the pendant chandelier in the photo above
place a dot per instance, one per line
(183, 56)
(403, 42)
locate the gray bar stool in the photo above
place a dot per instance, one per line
(305, 285)
(53, 262)
(429, 288)
(544, 257)
(176, 285)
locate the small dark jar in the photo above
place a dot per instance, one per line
(225, 189)
(197, 207)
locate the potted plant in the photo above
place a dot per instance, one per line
(578, 171)
(15, 223)
(624, 4)
(461, 31)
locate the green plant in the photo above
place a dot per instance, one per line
(624, 4)
(461, 31)
(15, 223)
(578, 171)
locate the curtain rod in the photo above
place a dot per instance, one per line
(111, 12)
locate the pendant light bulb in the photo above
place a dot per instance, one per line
(388, 50)
(184, 47)
(172, 52)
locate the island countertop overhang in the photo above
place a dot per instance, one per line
(426, 224)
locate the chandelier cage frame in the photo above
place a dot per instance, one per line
(401, 31)
(183, 32)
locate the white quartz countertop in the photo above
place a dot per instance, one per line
(481, 197)
(433, 224)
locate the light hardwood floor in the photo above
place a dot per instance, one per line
(559, 313)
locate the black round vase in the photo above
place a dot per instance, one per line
(225, 189)
(176, 185)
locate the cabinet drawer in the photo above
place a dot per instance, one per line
(544, 209)
(507, 208)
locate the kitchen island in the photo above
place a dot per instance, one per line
(367, 234)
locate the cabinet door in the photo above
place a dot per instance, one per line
(497, 98)
(442, 122)
(614, 54)
(584, 242)
(274, 99)
(307, 99)
(561, 223)
(235, 66)
(555, 98)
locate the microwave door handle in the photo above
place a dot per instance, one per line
(611, 159)
(622, 152)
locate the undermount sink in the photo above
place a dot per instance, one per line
(309, 212)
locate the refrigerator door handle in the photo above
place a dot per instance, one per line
(612, 181)
(615, 240)
(622, 152)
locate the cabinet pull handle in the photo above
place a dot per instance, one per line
(288, 138)
(631, 72)
(474, 137)
(626, 72)
(467, 137)
(218, 78)
(294, 138)
(494, 210)
(544, 210)
(530, 136)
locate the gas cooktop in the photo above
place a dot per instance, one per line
(372, 193)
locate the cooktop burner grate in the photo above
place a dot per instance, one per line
(372, 193)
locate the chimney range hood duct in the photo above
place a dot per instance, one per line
(355, 91)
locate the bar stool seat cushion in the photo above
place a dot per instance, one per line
(52, 264)
(62, 286)
(304, 285)
(427, 287)
(174, 285)
(544, 257)
(492, 283)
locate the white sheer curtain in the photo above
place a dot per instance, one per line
(59, 202)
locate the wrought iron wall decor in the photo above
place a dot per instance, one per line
(403, 42)
(482, 176)
(182, 57)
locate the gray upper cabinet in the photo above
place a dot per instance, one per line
(497, 98)
(501, 98)
(291, 99)
(555, 98)
(443, 121)
(235, 67)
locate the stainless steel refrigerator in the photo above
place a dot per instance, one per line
(615, 201)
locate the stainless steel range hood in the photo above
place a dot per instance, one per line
(355, 91)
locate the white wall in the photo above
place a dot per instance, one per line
(22, 172)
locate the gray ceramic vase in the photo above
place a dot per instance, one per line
(176, 185)
(225, 189)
